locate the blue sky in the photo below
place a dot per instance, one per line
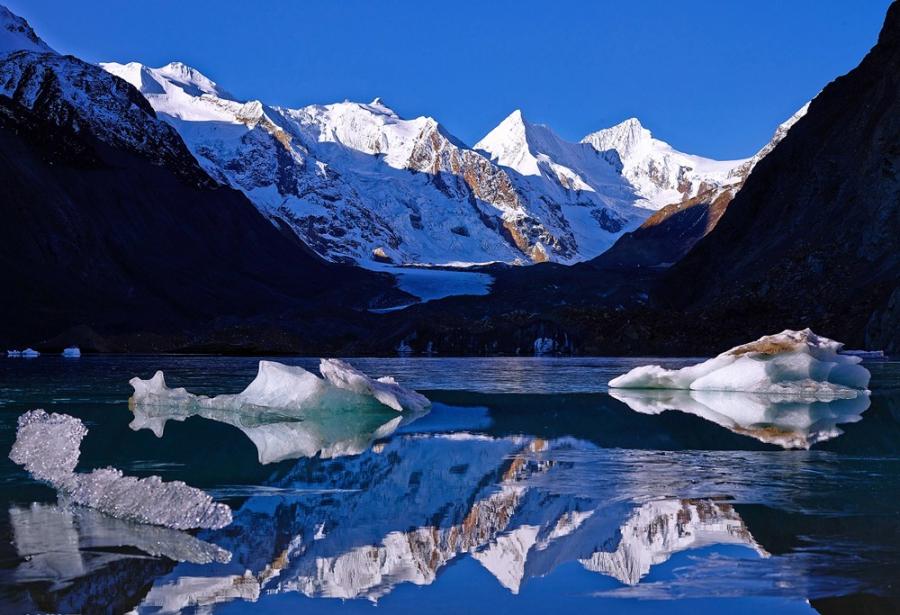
(711, 78)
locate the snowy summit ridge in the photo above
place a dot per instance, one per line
(17, 35)
(359, 183)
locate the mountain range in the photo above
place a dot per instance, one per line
(148, 208)
(360, 184)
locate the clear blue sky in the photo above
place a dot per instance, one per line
(710, 77)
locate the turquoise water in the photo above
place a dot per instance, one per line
(526, 488)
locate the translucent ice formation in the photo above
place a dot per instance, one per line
(48, 446)
(72, 352)
(790, 362)
(286, 387)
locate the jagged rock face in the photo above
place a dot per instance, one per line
(17, 35)
(813, 236)
(665, 237)
(75, 96)
(112, 227)
(660, 174)
(359, 183)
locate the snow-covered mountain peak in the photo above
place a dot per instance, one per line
(628, 138)
(191, 80)
(512, 144)
(659, 173)
(17, 35)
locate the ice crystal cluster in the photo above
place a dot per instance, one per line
(48, 446)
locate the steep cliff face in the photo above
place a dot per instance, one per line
(111, 226)
(665, 237)
(813, 237)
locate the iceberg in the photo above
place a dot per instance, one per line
(72, 352)
(49, 445)
(788, 421)
(286, 387)
(13, 353)
(790, 362)
(29, 353)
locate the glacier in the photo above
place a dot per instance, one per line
(790, 362)
(49, 445)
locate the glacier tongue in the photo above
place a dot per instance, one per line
(48, 446)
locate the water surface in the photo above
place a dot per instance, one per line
(526, 488)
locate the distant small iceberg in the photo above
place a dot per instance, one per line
(13, 354)
(790, 362)
(30, 353)
(72, 352)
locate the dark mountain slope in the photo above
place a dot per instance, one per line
(112, 230)
(813, 237)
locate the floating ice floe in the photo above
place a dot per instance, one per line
(72, 352)
(49, 445)
(13, 353)
(30, 353)
(790, 362)
(287, 387)
(288, 412)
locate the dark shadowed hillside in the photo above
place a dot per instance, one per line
(813, 237)
(112, 232)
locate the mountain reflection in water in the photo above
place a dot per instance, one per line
(526, 501)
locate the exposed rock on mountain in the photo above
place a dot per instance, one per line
(666, 236)
(359, 183)
(111, 226)
(813, 237)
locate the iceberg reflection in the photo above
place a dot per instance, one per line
(288, 412)
(62, 543)
(789, 421)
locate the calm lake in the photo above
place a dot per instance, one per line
(527, 488)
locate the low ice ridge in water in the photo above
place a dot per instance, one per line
(279, 386)
(790, 362)
(49, 445)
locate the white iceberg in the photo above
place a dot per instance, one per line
(13, 353)
(49, 445)
(30, 353)
(72, 352)
(285, 387)
(790, 362)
